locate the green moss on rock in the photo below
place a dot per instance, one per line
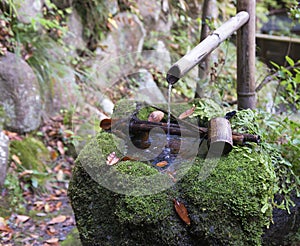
(31, 152)
(231, 206)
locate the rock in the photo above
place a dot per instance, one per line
(29, 9)
(62, 92)
(112, 6)
(159, 57)
(126, 36)
(74, 37)
(284, 223)
(156, 15)
(20, 94)
(62, 4)
(106, 104)
(147, 90)
(122, 204)
(150, 11)
(4, 143)
(119, 52)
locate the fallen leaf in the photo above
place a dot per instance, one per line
(161, 164)
(156, 116)
(112, 159)
(12, 135)
(53, 154)
(53, 240)
(182, 211)
(22, 218)
(47, 207)
(51, 231)
(60, 176)
(60, 147)
(128, 158)
(3, 226)
(57, 220)
(171, 175)
(35, 236)
(16, 159)
(58, 205)
(26, 172)
(106, 124)
(187, 113)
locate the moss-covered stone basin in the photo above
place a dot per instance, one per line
(231, 206)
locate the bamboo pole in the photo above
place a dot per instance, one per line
(246, 57)
(197, 54)
(203, 68)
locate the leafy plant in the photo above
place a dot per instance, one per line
(94, 14)
(288, 88)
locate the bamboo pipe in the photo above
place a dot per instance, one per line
(197, 54)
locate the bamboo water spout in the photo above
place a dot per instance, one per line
(197, 54)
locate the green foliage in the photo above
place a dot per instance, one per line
(94, 14)
(279, 141)
(15, 199)
(207, 109)
(288, 89)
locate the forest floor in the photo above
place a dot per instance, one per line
(42, 216)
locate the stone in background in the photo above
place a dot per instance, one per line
(20, 94)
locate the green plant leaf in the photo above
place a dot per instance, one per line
(290, 61)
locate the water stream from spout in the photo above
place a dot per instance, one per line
(169, 112)
(169, 122)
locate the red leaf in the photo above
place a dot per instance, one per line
(182, 211)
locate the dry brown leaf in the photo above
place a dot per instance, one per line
(12, 135)
(58, 205)
(53, 240)
(156, 116)
(128, 158)
(53, 154)
(161, 164)
(182, 211)
(22, 218)
(106, 124)
(60, 175)
(47, 207)
(57, 220)
(171, 175)
(3, 226)
(60, 147)
(16, 159)
(34, 236)
(51, 231)
(26, 172)
(187, 113)
(112, 159)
